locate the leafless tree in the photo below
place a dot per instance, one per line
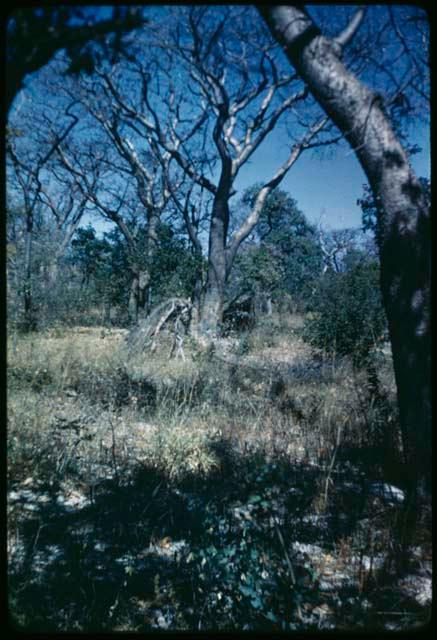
(334, 244)
(239, 97)
(126, 195)
(27, 168)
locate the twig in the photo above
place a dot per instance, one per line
(290, 566)
(331, 466)
(41, 526)
(114, 459)
(395, 613)
(199, 625)
(113, 607)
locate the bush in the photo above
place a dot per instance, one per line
(350, 319)
(239, 568)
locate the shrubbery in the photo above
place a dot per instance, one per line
(350, 319)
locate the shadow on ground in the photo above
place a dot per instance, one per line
(234, 550)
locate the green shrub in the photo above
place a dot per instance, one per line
(239, 569)
(350, 319)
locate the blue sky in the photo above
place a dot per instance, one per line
(326, 187)
(327, 184)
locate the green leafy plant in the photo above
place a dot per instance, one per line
(242, 575)
(350, 319)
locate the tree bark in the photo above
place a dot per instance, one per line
(29, 321)
(144, 293)
(133, 299)
(139, 297)
(197, 296)
(403, 218)
(211, 314)
(53, 272)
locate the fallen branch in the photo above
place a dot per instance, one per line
(144, 335)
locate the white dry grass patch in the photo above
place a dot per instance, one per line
(161, 370)
(288, 349)
(180, 447)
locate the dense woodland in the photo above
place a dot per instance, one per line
(218, 411)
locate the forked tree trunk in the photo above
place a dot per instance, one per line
(403, 218)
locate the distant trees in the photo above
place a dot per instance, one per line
(190, 102)
(402, 206)
(281, 258)
(102, 266)
(135, 205)
(53, 286)
(26, 166)
(215, 94)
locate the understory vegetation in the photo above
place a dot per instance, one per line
(235, 489)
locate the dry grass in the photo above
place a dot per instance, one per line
(83, 413)
(280, 398)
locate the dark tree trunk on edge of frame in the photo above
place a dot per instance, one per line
(404, 219)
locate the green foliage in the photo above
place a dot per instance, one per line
(350, 319)
(106, 265)
(285, 256)
(240, 570)
(103, 262)
(260, 268)
(174, 266)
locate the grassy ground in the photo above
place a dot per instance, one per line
(229, 490)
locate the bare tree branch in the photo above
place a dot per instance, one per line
(345, 37)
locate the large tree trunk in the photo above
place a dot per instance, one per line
(211, 314)
(403, 218)
(197, 296)
(139, 297)
(212, 308)
(29, 320)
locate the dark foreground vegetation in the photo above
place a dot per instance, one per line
(226, 491)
